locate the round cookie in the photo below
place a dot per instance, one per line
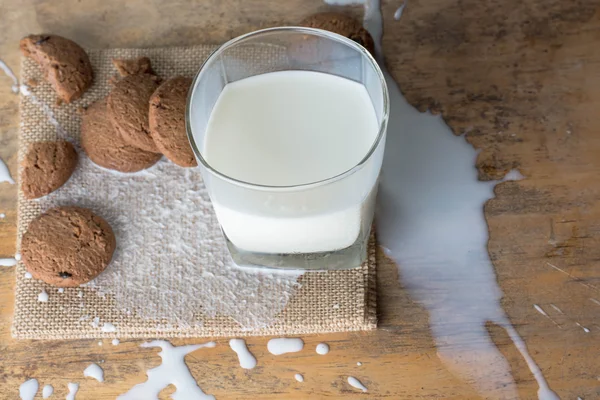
(105, 146)
(342, 25)
(167, 121)
(128, 109)
(46, 167)
(65, 65)
(67, 246)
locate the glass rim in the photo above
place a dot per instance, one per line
(302, 186)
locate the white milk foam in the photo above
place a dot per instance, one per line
(172, 371)
(430, 218)
(247, 360)
(281, 346)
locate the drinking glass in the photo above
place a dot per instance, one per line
(322, 225)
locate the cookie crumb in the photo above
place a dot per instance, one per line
(31, 82)
(133, 66)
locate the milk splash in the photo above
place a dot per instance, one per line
(28, 389)
(94, 371)
(430, 218)
(279, 346)
(8, 262)
(47, 391)
(11, 75)
(172, 371)
(73, 389)
(5, 173)
(247, 360)
(355, 383)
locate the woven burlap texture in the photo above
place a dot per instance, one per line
(325, 302)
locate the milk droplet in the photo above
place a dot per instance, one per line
(61, 290)
(28, 275)
(94, 371)
(108, 327)
(299, 378)
(95, 322)
(47, 391)
(25, 90)
(18, 256)
(73, 389)
(356, 383)
(247, 360)
(43, 296)
(8, 262)
(28, 389)
(281, 346)
(322, 348)
(115, 342)
(5, 173)
(359, 363)
(173, 371)
(558, 310)
(100, 343)
(2, 215)
(539, 309)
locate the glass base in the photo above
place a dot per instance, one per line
(347, 258)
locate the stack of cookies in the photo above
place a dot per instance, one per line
(139, 121)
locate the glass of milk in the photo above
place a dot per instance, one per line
(288, 126)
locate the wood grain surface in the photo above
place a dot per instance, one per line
(521, 77)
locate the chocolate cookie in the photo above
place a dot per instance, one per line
(342, 25)
(128, 109)
(167, 121)
(66, 66)
(46, 167)
(67, 246)
(105, 146)
(133, 66)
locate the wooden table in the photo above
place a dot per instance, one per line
(522, 76)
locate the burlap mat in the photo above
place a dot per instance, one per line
(321, 302)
